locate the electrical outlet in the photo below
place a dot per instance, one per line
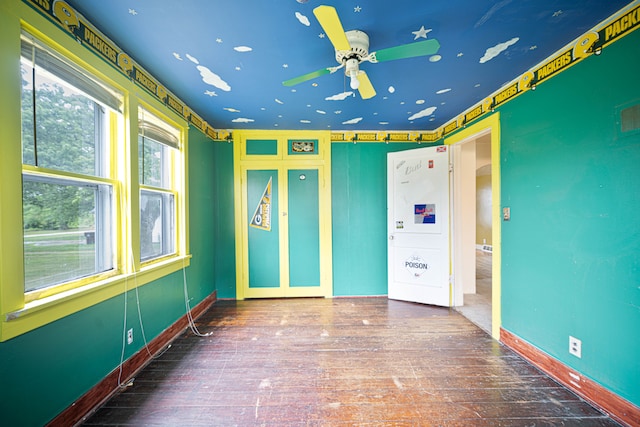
(130, 336)
(575, 346)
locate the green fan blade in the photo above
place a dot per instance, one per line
(309, 76)
(423, 48)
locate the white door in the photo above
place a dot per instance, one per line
(418, 225)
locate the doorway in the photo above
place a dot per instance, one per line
(476, 223)
(472, 183)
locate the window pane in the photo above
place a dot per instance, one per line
(157, 227)
(69, 125)
(154, 163)
(65, 231)
(27, 114)
(65, 127)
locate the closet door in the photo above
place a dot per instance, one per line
(282, 226)
(283, 214)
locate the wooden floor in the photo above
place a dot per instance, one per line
(341, 362)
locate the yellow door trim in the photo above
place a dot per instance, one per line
(282, 162)
(491, 123)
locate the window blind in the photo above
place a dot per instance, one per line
(38, 55)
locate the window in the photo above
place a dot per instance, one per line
(158, 148)
(68, 187)
(80, 222)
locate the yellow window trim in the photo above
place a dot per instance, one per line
(46, 310)
(40, 294)
(23, 312)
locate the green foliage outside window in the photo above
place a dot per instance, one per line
(65, 129)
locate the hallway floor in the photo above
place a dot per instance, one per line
(342, 361)
(477, 307)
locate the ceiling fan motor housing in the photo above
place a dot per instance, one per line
(359, 42)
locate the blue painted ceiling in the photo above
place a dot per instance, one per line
(228, 59)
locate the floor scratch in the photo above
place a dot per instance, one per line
(257, 406)
(397, 382)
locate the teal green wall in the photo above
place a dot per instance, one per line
(203, 213)
(221, 214)
(571, 252)
(359, 217)
(44, 371)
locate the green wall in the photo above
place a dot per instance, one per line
(571, 252)
(44, 371)
(221, 214)
(359, 216)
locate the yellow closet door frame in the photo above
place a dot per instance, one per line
(282, 162)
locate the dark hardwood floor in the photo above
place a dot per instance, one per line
(345, 362)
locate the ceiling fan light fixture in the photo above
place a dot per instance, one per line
(351, 70)
(354, 83)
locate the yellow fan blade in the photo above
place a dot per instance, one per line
(330, 22)
(366, 88)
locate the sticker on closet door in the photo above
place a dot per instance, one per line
(262, 216)
(424, 213)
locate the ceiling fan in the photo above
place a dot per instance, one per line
(352, 48)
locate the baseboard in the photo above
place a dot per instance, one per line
(618, 408)
(106, 388)
(358, 296)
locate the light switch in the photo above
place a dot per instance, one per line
(506, 214)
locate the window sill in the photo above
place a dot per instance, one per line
(49, 309)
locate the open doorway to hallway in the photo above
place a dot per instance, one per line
(477, 306)
(474, 227)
